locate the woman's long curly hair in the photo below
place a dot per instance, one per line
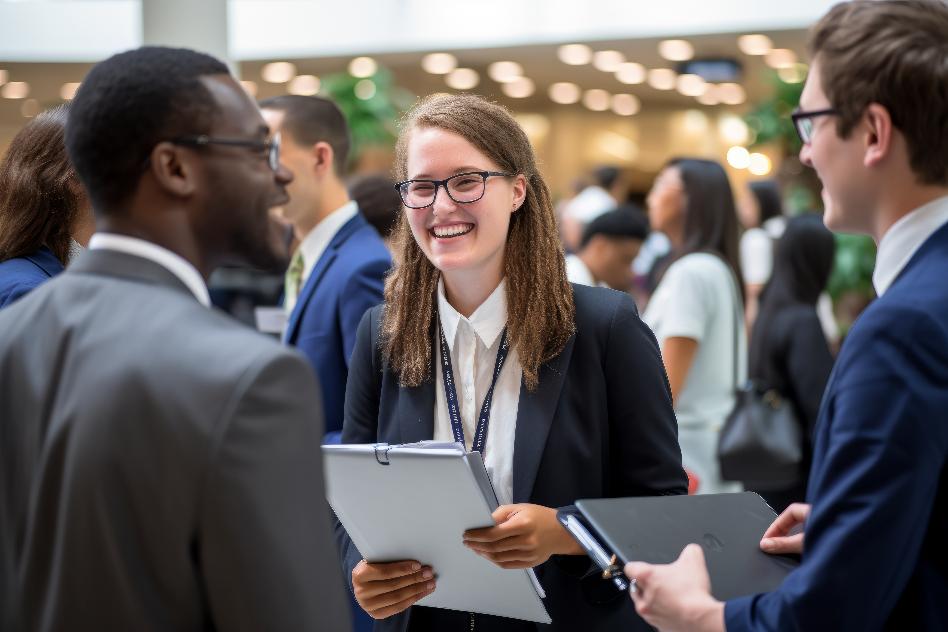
(540, 312)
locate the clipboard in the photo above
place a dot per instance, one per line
(414, 501)
(654, 529)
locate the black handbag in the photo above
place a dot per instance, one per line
(761, 442)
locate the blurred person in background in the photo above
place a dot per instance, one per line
(608, 190)
(697, 310)
(788, 351)
(761, 215)
(378, 202)
(338, 268)
(45, 216)
(609, 246)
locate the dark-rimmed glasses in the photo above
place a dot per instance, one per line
(803, 121)
(463, 188)
(271, 147)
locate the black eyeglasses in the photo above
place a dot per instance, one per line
(803, 121)
(270, 147)
(463, 188)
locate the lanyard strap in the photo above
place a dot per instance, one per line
(480, 432)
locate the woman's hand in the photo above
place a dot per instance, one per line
(386, 589)
(785, 534)
(525, 536)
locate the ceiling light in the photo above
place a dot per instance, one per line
(630, 73)
(278, 72)
(365, 89)
(626, 104)
(733, 130)
(535, 126)
(608, 60)
(711, 96)
(574, 54)
(30, 108)
(793, 74)
(363, 67)
(596, 100)
(691, 85)
(4, 75)
(439, 63)
(68, 90)
(462, 78)
(731, 93)
(304, 84)
(738, 157)
(519, 88)
(760, 164)
(565, 93)
(780, 58)
(662, 78)
(250, 87)
(15, 90)
(504, 71)
(754, 44)
(676, 50)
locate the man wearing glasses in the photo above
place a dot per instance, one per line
(874, 124)
(159, 463)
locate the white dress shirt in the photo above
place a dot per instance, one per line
(317, 240)
(474, 343)
(904, 238)
(175, 264)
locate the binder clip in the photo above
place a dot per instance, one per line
(615, 573)
(381, 453)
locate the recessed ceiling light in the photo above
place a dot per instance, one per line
(278, 72)
(733, 130)
(519, 88)
(754, 44)
(691, 85)
(15, 90)
(760, 164)
(30, 108)
(565, 93)
(574, 54)
(504, 71)
(363, 67)
(780, 58)
(304, 84)
(608, 60)
(365, 89)
(439, 63)
(68, 90)
(596, 100)
(731, 93)
(676, 50)
(738, 157)
(630, 73)
(710, 96)
(626, 104)
(793, 74)
(662, 78)
(462, 78)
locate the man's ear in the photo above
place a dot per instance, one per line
(877, 124)
(173, 169)
(324, 158)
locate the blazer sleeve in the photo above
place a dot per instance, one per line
(360, 424)
(874, 481)
(265, 533)
(645, 459)
(364, 289)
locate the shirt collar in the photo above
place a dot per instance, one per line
(317, 240)
(904, 238)
(487, 321)
(176, 264)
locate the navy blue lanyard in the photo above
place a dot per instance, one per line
(480, 432)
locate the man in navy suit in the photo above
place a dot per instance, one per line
(873, 119)
(338, 269)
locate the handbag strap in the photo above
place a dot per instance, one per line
(737, 323)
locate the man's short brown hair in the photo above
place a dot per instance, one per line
(894, 53)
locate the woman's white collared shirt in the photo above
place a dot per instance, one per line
(474, 343)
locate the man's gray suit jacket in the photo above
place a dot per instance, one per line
(160, 463)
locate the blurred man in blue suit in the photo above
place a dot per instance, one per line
(873, 119)
(338, 269)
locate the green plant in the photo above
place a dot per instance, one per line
(852, 266)
(770, 119)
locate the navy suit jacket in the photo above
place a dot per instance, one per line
(21, 274)
(876, 551)
(346, 280)
(599, 424)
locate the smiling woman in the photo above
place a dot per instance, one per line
(567, 379)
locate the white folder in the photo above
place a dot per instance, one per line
(414, 502)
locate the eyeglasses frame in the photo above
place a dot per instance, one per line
(271, 146)
(444, 183)
(803, 115)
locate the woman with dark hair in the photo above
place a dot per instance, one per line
(697, 309)
(761, 214)
(788, 351)
(44, 214)
(577, 405)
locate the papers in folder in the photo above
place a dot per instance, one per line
(414, 502)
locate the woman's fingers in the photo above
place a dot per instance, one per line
(418, 592)
(372, 589)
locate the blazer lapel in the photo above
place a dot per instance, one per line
(534, 418)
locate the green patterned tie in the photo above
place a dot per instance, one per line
(291, 282)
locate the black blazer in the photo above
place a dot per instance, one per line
(599, 424)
